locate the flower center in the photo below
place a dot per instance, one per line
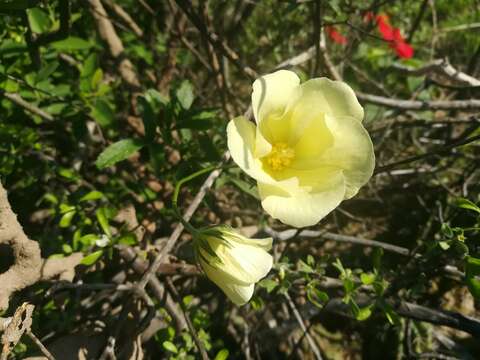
(280, 157)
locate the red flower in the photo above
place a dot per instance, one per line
(403, 50)
(393, 35)
(385, 29)
(335, 35)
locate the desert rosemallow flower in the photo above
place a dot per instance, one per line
(307, 149)
(232, 261)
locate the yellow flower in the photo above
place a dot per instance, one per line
(308, 150)
(232, 261)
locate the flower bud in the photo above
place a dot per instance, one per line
(232, 261)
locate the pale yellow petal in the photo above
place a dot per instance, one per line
(240, 263)
(241, 138)
(335, 97)
(224, 271)
(262, 145)
(352, 151)
(239, 294)
(272, 92)
(252, 263)
(303, 207)
(313, 140)
(265, 244)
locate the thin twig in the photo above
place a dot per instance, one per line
(42, 347)
(18, 100)
(417, 20)
(288, 234)
(317, 25)
(300, 321)
(440, 66)
(109, 35)
(439, 151)
(471, 104)
(215, 40)
(125, 16)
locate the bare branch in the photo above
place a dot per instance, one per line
(109, 35)
(471, 104)
(300, 321)
(215, 40)
(28, 267)
(442, 67)
(18, 100)
(122, 14)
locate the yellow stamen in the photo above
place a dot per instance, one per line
(280, 157)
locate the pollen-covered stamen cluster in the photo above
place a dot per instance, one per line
(280, 157)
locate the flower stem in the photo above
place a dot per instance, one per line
(176, 211)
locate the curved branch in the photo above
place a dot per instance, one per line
(28, 267)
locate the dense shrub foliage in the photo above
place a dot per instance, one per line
(113, 124)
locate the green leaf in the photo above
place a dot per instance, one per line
(334, 4)
(89, 65)
(310, 260)
(46, 71)
(92, 258)
(71, 43)
(447, 230)
(316, 296)
(96, 78)
(68, 174)
(169, 346)
(389, 312)
(148, 118)
(118, 151)
(91, 196)
(185, 94)
(67, 249)
(103, 113)
(268, 284)
(88, 239)
(257, 303)
(467, 204)
(361, 314)
(246, 187)
(102, 218)
(66, 219)
(127, 239)
(155, 98)
(56, 108)
(304, 267)
(367, 278)
(472, 275)
(222, 355)
(87, 72)
(445, 245)
(364, 314)
(39, 20)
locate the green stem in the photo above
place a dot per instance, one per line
(176, 192)
(186, 179)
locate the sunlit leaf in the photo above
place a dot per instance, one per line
(185, 94)
(92, 258)
(118, 151)
(71, 43)
(39, 20)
